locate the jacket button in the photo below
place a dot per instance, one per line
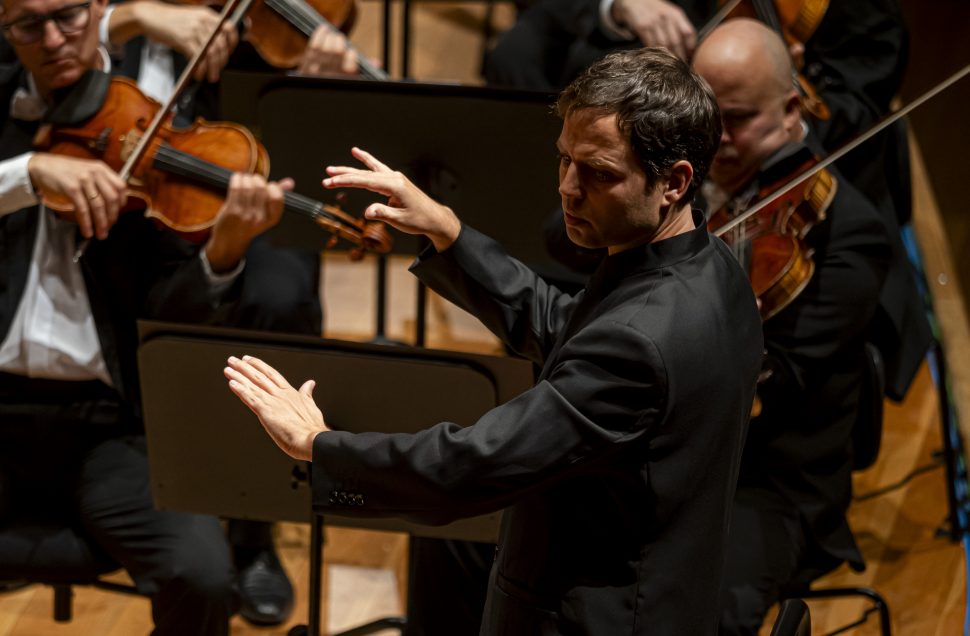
(359, 500)
(342, 497)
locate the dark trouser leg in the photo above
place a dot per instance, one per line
(181, 559)
(73, 458)
(766, 544)
(448, 581)
(280, 291)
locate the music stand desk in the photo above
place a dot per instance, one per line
(208, 453)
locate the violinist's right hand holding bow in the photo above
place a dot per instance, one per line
(408, 208)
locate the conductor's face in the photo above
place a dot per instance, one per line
(606, 200)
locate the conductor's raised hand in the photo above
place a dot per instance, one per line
(407, 209)
(290, 416)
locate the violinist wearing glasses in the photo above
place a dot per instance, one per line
(71, 442)
(788, 522)
(151, 41)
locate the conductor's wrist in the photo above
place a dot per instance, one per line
(448, 234)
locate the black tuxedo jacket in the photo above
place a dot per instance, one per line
(800, 445)
(618, 468)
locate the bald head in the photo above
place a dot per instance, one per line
(749, 68)
(747, 51)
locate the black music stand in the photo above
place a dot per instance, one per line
(209, 455)
(487, 153)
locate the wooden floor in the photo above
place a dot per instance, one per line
(921, 574)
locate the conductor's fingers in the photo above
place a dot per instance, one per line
(268, 371)
(243, 389)
(307, 388)
(381, 183)
(385, 213)
(369, 160)
(254, 375)
(335, 170)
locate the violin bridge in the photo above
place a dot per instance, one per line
(128, 142)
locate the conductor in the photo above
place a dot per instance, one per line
(619, 466)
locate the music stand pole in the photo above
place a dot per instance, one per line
(316, 573)
(380, 330)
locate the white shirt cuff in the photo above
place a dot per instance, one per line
(103, 26)
(104, 33)
(609, 26)
(16, 190)
(219, 283)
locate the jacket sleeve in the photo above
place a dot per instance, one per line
(173, 278)
(510, 299)
(856, 61)
(605, 393)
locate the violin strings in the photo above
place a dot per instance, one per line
(301, 17)
(306, 19)
(193, 168)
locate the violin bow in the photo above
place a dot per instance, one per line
(716, 19)
(844, 150)
(142, 146)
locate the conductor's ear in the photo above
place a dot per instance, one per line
(678, 181)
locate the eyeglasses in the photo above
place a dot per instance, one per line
(31, 28)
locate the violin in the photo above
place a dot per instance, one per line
(770, 243)
(182, 177)
(791, 207)
(795, 21)
(279, 29)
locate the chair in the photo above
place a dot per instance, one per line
(793, 619)
(866, 440)
(41, 551)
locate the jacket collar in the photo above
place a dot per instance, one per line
(651, 256)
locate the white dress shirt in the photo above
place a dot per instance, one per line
(53, 334)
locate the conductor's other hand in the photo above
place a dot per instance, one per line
(252, 206)
(291, 417)
(328, 53)
(657, 23)
(407, 209)
(96, 191)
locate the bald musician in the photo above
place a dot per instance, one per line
(788, 523)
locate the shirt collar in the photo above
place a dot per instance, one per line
(27, 104)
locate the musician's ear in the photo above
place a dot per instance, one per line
(793, 111)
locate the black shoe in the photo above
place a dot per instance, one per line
(265, 591)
